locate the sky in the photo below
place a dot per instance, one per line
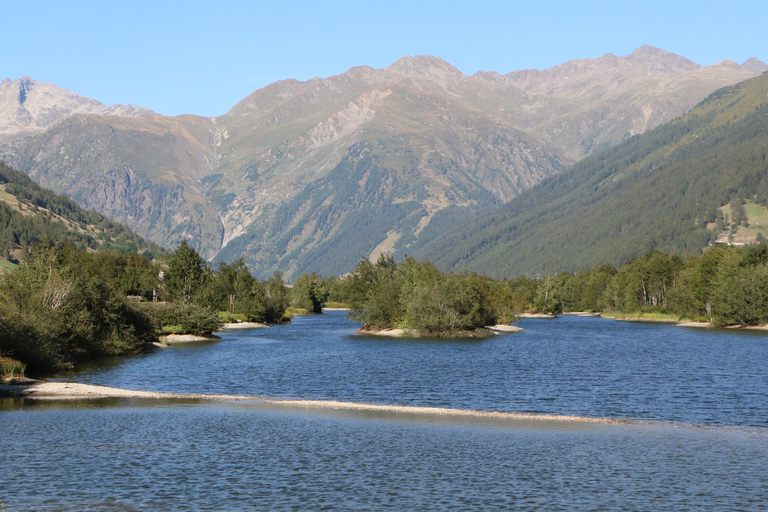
(201, 58)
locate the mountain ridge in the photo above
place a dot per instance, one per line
(28, 107)
(442, 146)
(665, 190)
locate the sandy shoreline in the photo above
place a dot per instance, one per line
(29, 388)
(396, 333)
(441, 411)
(244, 325)
(35, 389)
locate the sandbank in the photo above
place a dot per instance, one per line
(505, 328)
(537, 315)
(30, 388)
(441, 411)
(382, 332)
(185, 338)
(244, 325)
(688, 323)
(35, 389)
(748, 327)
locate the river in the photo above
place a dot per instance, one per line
(695, 437)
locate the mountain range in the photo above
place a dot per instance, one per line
(676, 189)
(310, 176)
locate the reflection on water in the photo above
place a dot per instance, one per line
(150, 454)
(572, 366)
(160, 455)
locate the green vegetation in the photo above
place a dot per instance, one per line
(65, 304)
(59, 307)
(725, 285)
(417, 297)
(666, 189)
(11, 367)
(310, 293)
(30, 215)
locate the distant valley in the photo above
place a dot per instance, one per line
(310, 176)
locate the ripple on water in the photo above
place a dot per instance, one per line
(197, 455)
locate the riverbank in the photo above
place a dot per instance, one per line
(42, 390)
(244, 325)
(170, 339)
(20, 387)
(537, 315)
(403, 333)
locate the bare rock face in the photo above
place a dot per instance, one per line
(311, 175)
(28, 107)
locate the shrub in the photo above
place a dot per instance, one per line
(11, 367)
(185, 318)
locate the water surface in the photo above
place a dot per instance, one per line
(701, 444)
(570, 365)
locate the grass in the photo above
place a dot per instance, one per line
(336, 305)
(642, 316)
(172, 329)
(231, 318)
(11, 367)
(6, 266)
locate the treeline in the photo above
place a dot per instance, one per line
(725, 285)
(45, 210)
(65, 304)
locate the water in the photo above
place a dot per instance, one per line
(706, 392)
(571, 365)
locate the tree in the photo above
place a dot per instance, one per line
(546, 299)
(277, 298)
(310, 292)
(59, 305)
(187, 273)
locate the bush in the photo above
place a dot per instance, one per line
(11, 367)
(53, 310)
(185, 318)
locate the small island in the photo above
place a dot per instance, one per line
(414, 299)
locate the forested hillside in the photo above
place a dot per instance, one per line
(305, 176)
(664, 190)
(30, 214)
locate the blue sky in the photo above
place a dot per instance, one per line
(203, 57)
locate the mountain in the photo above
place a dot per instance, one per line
(28, 107)
(30, 214)
(313, 175)
(675, 188)
(756, 66)
(585, 106)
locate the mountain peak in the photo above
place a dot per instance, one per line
(422, 65)
(755, 66)
(661, 60)
(28, 107)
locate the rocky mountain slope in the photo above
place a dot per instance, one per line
(30, 214)
(313, 175)
(28, 107)
(697, 180)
